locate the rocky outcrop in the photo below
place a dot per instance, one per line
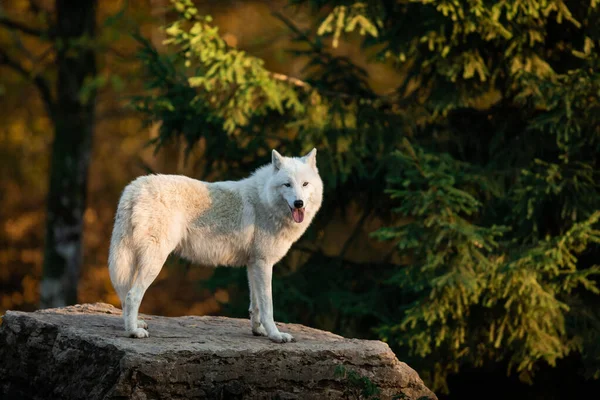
(81, 352)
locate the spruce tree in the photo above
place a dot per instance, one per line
(484, 163)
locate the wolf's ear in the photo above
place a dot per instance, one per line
(311, 158)
(276, 160)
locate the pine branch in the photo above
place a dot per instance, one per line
(306, 249)
(24, 28)
(300, 34)
(33, 6)
(390, 96)
(290, 79)
(355, 232)
(305, 85)
(40, 83)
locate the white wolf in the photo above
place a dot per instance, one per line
(251, 222)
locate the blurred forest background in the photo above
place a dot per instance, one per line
(459, 142)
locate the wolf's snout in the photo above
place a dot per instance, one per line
(298, 211)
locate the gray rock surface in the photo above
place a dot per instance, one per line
(81, 352)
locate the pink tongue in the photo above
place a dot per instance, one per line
(298, 214)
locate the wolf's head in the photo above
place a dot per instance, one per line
(296, 184)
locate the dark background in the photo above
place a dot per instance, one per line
(458, 143)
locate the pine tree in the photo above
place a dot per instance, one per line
(484, 163)
(70, 106)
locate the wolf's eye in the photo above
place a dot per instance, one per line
(305, 184)
(287, 185)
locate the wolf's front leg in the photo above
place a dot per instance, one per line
(257, 328)
(260, 275)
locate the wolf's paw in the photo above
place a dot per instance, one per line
(281, 337)
(259, 331)
(139, 333)
(142, 324)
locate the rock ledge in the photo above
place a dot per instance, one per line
(81, 352)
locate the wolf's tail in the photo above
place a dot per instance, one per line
(121, 259)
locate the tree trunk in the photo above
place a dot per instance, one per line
(74, 127)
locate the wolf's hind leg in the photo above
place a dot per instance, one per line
(134, 299)
(122, 265)
(148, 269)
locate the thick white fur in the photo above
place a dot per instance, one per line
(233, 223)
